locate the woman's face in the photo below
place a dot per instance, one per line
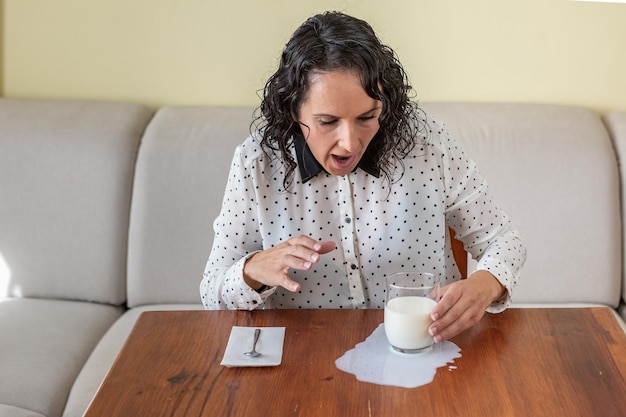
(338, 120)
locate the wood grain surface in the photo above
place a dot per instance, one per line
(522, 362)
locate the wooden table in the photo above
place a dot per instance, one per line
(523, 362)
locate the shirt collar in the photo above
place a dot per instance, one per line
(310, 167)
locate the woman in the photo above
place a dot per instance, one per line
(345, 181)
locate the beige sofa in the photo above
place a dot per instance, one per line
(106, 211)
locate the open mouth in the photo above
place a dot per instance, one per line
(343, 161)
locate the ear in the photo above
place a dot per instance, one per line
(305, 129)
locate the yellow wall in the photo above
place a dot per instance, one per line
(220, 52)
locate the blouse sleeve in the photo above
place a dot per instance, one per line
(236, 238)
(484, 228)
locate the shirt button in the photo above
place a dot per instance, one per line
(353, 266)
(348, 219)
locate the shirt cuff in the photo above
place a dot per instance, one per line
(242, 296)
(502, 273)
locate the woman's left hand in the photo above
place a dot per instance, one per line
(463, 303)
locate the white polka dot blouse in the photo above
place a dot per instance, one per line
(379, 229)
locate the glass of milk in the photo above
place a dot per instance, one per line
(410, 298)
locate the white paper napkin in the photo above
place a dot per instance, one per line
(270, 345)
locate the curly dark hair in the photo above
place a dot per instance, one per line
(332, 41)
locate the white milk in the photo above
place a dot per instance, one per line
(373, 361)
(407, 320)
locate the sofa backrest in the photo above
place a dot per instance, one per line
(616, 124)
(554, 171)
(180, 179)
(66, 170)
(66, 179)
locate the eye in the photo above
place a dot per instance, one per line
(366, 118)
(327, 122)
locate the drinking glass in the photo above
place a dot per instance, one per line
(409, 301)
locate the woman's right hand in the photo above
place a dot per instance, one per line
(271, 266)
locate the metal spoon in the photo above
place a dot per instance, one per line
(253, 353)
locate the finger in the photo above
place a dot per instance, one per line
(320, 247)
(299, 256)
(447, 299)
(306, 241)
(326, 246)
(462, 323)
(463, 314)
(289, 284)
(448, 312)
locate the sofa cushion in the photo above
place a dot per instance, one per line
(43, 347)
(180, 179)
(616, 124)
(553, 170)
(104, 355)
(66, 170)
(10, 411)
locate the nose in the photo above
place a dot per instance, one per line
(349, 138)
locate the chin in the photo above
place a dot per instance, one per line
(341, 172)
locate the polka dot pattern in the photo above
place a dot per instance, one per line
(377, 230)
